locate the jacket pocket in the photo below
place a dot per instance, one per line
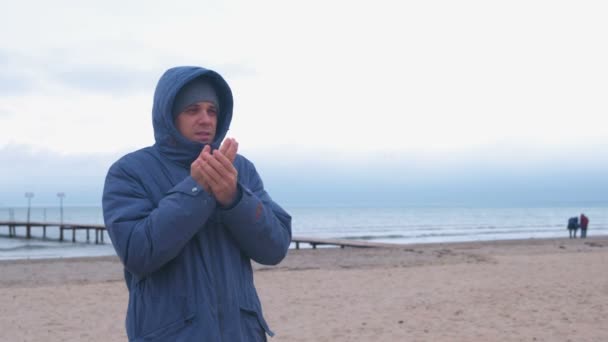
(253, 325)
(158, 318)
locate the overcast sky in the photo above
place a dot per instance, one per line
(405, 98)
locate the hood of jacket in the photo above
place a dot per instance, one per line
(169, 141)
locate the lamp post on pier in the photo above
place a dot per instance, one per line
(61, 195)
(28, 228)
(29, 196)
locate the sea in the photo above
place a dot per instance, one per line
(399, 225)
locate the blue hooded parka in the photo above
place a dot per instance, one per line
(187, 261)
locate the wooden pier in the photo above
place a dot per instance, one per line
(314, 242)
(100, 229)
(13, 225)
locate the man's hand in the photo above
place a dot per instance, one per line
(216, 173)
(197, 172)
(221, 176)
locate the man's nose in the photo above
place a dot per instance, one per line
(204, 117)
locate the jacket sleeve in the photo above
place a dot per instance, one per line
(261, 228)
(147, 236)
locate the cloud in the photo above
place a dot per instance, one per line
(54, 70)
(123, 80)
(113, 80)
(26, 168)
(57, 69)
(4, 113)
(11, 85)
(373, 100)
(12, 80)
(478, 177)
(375, 180)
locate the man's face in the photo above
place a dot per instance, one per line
(198, 122)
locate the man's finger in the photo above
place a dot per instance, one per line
(219, 163)
(232, 149)
(229, 149)
(211, 174)
(225, 145)
(211, 171)
(197, 172)
(206, 149)
(224, 162)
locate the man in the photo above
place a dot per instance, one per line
(187, 215)
(573, 226)
(584, 225)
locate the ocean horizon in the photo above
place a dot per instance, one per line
(399, 225)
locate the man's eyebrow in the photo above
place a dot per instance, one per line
(194, 105)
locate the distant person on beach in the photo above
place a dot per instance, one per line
(584, 225)
(186, 217)
(572, 226)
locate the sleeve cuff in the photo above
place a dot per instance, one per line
(237, 199)
(245, 210)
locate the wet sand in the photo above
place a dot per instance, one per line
(525, 290)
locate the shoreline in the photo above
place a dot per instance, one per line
(56, 270)
(109, 253)
(503, 290)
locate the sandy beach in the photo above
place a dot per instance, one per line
(526, 290)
